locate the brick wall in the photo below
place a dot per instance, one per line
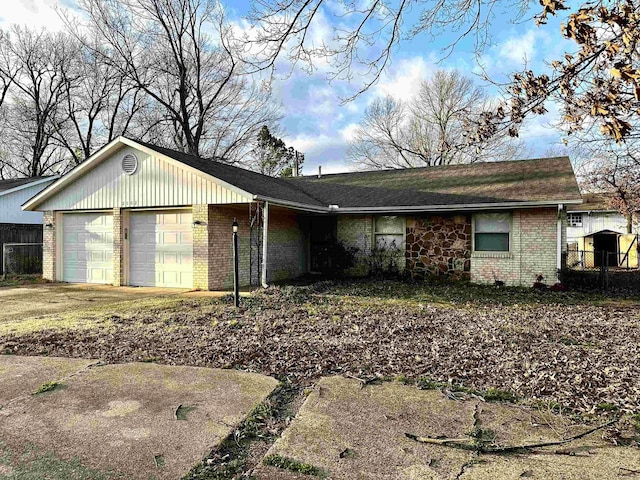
(118, 256)
(439, 245)
(533, 251)
(220, 245)
(286, 254)
(201, 246)
(357, 231)
(49, 246)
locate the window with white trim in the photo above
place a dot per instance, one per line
(389, 232)
(574, 219)
(491, 232)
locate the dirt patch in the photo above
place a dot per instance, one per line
(344, 431)
(123, 417)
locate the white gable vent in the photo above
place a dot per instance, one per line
(129, 164)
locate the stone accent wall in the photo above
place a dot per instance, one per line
(533, 251)
(118, 255)
(439, 245)
(201, 247)
(357, 231)
(49, 246)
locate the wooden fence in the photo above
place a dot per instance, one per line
(18, 233)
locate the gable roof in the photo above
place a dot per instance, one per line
(593, 202)
(520, 183)
(13, 184)
(247, 180)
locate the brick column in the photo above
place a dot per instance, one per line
(117, 247)
(49, 246)
(201, 221)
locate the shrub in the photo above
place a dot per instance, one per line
(335, 259)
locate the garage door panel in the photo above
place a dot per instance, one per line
(87, 247)
(161, 249)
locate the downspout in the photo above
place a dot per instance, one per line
(559, 242)
(265, 243)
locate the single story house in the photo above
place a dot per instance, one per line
(139, 214)
(594, 227)
(17, 225)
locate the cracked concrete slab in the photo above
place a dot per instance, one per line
(359, 433)
(23, 375)
(122, 418)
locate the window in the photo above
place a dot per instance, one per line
(574, 219)
(491, 232)
(389, 232)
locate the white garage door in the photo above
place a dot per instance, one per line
(87, 248)
(161, 249)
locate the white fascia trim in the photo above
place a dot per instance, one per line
(67, 178)
(457, 207)
(293, 205)
(413, 209)
(101, 154)
(150, 151)
(30, 184)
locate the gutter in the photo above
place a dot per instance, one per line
(414, 209)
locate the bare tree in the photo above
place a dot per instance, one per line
(607, 167)
(180, 54)
(100, 104)
(430, 129)
(33, 107)
(364, 35)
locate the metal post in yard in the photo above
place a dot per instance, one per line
(236, 275)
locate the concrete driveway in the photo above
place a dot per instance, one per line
(137, 420)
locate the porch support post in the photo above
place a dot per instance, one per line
(265, 243)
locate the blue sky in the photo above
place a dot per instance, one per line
(316, 123)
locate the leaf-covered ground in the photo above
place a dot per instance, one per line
(579, 351)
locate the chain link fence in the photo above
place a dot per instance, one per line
(601, 270)
(21, 258)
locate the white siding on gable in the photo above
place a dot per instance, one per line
(11, 205)
(156, 183)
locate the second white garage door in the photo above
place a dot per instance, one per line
(161, 249)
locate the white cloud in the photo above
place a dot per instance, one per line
(39, 14)
(402, 80)
(522, 48)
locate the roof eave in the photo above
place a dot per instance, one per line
(28, 185)
(414, 208)
(456, 207)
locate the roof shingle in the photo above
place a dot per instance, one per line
(519, 181)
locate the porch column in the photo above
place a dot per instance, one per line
(265, 242)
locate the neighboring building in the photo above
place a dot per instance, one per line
(594, 228)
(138, 214)
(16, 225)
